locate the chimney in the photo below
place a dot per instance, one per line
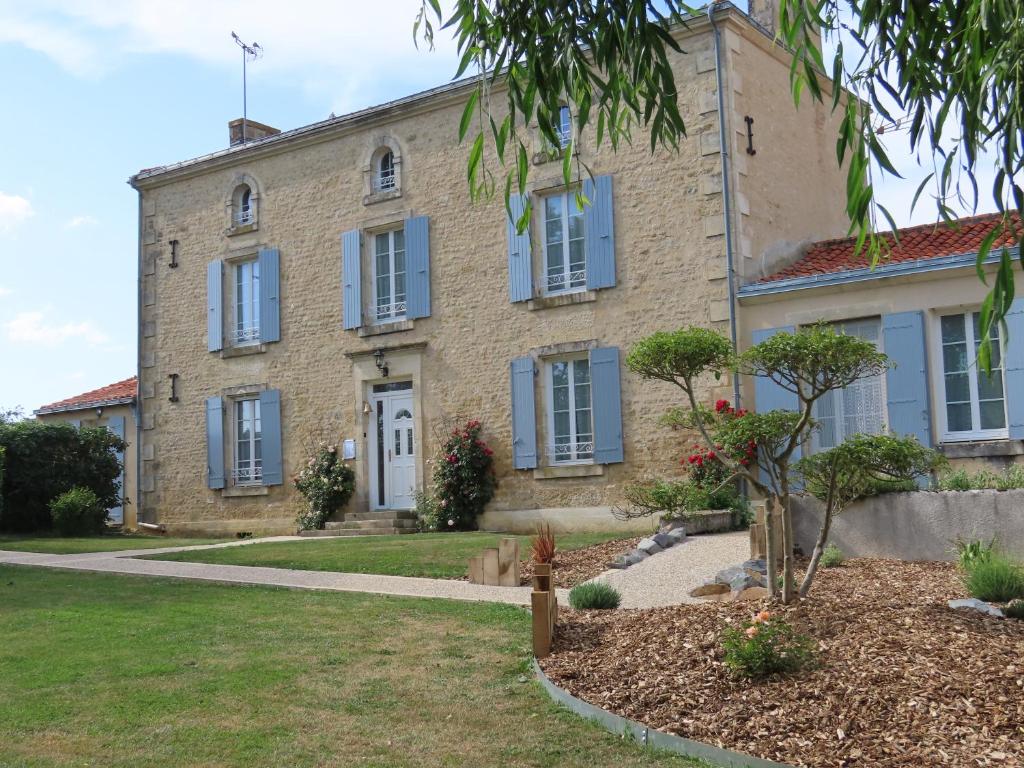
(765, 13)
(253, 131)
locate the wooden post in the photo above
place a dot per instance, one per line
(476, 570)
(542, 577)
(491, 567)
(539, 602)
(508, 563)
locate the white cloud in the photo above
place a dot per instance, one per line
(80, 221)
(13, 210)
(325, 45)
(36, 328)
(5, 291)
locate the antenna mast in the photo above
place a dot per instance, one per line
(249, 53)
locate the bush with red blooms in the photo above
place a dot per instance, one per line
(704, 467)
(463, 478)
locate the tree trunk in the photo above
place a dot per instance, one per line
(819, 548)
(788, 579)
(771, 544)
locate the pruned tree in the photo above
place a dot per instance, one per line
(860, 466)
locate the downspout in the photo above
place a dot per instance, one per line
(138, 373)
(726, 197)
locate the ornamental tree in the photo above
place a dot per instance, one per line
(463, 478)
(759, 447)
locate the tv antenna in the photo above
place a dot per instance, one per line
(249, 53)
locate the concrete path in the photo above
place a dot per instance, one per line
(123, 562)
(667, 577)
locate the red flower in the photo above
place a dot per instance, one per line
(452, 458)
(721, 405)
(488, 452)
(711, 455)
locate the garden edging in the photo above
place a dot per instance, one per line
(650, 738)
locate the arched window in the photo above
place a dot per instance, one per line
(244, 212)
(384, 181)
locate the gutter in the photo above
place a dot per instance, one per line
(83, 406)
(864, 274)
(726, 197)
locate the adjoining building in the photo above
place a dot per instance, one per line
(337, 280)
(111, 407)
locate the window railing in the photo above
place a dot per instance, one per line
(246, 334)
(559, 453)
(564, 135)
(388, 311)
(384, 181)
(244, 215)
(248, 474)
(563, 281)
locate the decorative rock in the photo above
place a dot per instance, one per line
(726, 575)
(750, 593)
(761, 566)
(619, 563)
(974, 604)
(663, 540)
(668, 526)
(756, 577)
(650, 546)
(640, 554)
(677, 534)
(709, 589)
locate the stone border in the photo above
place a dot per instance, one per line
(649, 738)
(651, 545)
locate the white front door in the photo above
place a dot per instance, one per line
(393, 451)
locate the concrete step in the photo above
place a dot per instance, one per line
(381, 514)
(327, 533)
(372, 525)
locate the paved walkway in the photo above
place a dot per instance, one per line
(667, 577)
(664, 579)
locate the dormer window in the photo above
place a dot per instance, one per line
(384, 180)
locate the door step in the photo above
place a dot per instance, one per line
(381, 514)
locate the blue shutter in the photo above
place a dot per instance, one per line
(351, 280)
(76, 423)
(417, 267)
(906, 383)
(1014, 369)
(270, 436)
(115, 425)
(520, 265)
(524, 415)
(769, 396)
(214, 442)
(606, 405)
(214, 299)
(270, 294)
(599, 232)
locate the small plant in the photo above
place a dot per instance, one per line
(985, 479)
(78, 512)
(995, 579)
(327, 482)
(969, 553)
(428, 513)
(766, 645)
(1015, 609)
(464, 478)
(542, 545)
(594, 596)
(832, 557)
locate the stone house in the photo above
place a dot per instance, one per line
(336, 280)
(921, 306)
(112, 407)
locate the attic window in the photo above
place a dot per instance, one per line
(384, 180)
(244, 212)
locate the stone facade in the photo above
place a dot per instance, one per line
(311, 186)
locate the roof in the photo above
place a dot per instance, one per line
(912, 244)
(112, 394)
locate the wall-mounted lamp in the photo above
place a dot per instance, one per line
(382, 366)
(367, 408)
(174, 253)
(99, 412)
(174, 387)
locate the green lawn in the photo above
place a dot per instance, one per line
(109, 670)
(433, 555)
(55, 545)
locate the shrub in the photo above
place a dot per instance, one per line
(464, 478)
(1015, 609)
(542, 544)
(78, 512)
(427, 511)
(995, 579)
(968, 553)
(45, 459)
(766, 645)
(832, 557)
(327, 483)
(985, 479)
(594, 596)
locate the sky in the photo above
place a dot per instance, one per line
(95, 90)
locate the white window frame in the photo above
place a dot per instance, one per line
(244, 212)
(569, 275)
(837, 395)
(578, 451)
(563, 127)
(939, 374)
(245, 334)
(252, 474)
(394, 310)
(384, 179)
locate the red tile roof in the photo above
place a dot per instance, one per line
(118, 392)
(927, 241)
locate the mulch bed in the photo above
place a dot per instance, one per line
(574, 566)
(901, 679)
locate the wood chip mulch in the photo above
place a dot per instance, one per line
(574, 566)
(901, 680)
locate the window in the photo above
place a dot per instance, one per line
(246, 326)
(563, 128)
(975, 404)
(569, 411)
(389, 275)
(384, 179)
(244, 211)
(858, 408)
(565, 262)
(248, 467)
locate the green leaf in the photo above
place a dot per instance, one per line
(468, 112)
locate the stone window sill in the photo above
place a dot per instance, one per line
(573, 470)
(982, 449)
(384, 328)
(248, 349)
(380, 197)
(242, 229)
(561, 300)
(240, 491)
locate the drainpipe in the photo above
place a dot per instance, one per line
(138, 374)
(726, 197)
